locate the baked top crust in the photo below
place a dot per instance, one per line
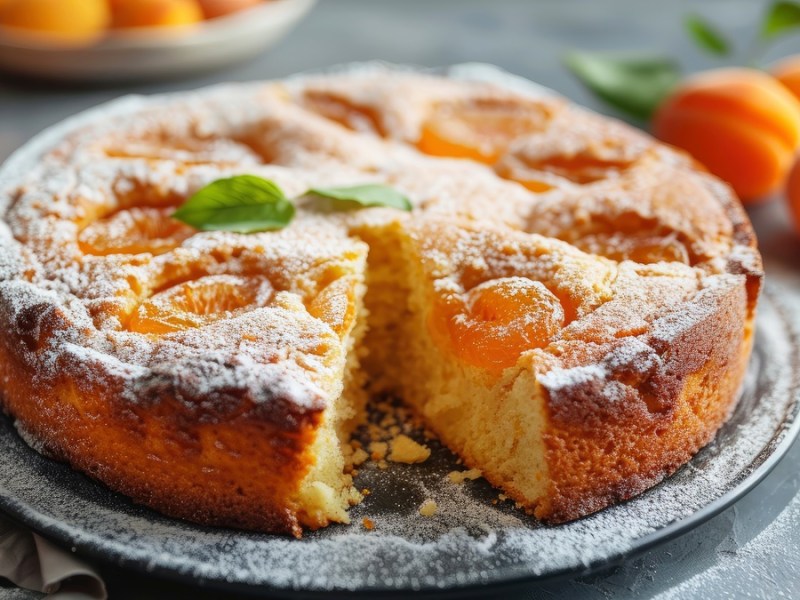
(636, 241)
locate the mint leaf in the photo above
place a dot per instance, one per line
(781, 17)
(242, 204)
(247, 203)
(358, 196)
(631, 83)
(706, 36)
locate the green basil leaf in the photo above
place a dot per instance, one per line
(706, 36)
(357, 196)
(242, 204)
(781, 17)
(632, 83)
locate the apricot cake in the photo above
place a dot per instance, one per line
(567, 304)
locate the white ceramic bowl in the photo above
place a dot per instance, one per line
(156, 52)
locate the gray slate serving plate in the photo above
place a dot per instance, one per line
(469, 543)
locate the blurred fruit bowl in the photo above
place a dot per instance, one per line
(177, 46)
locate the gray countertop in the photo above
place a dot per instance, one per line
(752, 550)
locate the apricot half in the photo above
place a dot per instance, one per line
(335, 304)
(134, 231)
(481, 131)
(495, 322)
(199, 302)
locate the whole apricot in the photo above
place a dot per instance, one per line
(740, 123)
(155, 13)
(787, 72)
(793, 195)
(62, 21)
(218, 8)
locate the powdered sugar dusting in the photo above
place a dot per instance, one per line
(148, 154)
(753, 564)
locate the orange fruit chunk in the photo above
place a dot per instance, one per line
(534, 185)
(62, 21)
(335, 305)
(344, 111)
(643, 247)
(580, 168)
(134, 231)
(480, 131)
(495, 322)
(200, 302)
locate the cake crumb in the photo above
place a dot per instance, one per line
(382, 464)
(378, 450)
(374, 432)
(359, 457)
(428, 508)
(366, 492)
(461, 476)
(405, 450)
(368, 524)
(385, 406)
(353, 497)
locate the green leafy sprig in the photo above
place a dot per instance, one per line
(363, 196)
(706, 36)
(243, 204)
(636, 84)
(782, 18)
(248, 204)
(631, 83)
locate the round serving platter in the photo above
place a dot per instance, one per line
(469, 542)
(474, 540)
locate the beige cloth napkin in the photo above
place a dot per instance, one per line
(32, 562)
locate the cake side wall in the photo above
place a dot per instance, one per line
(157, 454)
(674, 414)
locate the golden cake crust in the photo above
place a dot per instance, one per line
(654, 261)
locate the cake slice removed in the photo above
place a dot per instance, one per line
(570, 381)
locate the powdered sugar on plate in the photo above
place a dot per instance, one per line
(468, 541)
